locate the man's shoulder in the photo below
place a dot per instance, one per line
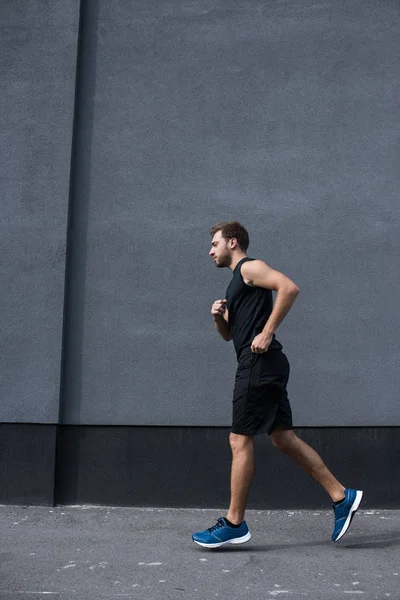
(251, 264)
(248, 268)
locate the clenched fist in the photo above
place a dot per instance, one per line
(218, 309)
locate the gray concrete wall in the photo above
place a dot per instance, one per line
(283, 115)
(38, 45)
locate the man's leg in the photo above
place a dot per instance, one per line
(241, 475)
(308, 459)
(233, 529)
(346, 501)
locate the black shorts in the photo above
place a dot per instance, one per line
(260, 401)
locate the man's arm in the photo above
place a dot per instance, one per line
(221, 317)
(257, 273)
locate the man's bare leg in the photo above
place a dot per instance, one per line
(241, 475)
(309, 460)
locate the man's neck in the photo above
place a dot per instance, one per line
(237, 260)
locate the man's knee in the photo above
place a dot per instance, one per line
(283, 439)
(239, 442)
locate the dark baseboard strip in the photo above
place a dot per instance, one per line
(27, 463)
(186, 466)
(189, 467)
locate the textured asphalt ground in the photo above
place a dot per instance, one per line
(96, 553)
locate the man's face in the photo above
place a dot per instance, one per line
(220, 252)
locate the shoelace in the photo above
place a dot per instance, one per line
(337, 510)
(217, 525)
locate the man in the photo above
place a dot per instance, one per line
(248, 316)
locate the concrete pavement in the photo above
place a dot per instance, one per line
(108, 553)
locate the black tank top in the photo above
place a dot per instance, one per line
(249, 309)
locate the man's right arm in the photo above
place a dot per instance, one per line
(220, 315)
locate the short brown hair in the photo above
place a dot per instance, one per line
(232, 229)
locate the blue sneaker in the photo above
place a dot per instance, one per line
(344, 512)
(221, 533)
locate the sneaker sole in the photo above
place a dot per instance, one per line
(241, 540)
(352, 512)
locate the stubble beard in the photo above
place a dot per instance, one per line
(224, 261)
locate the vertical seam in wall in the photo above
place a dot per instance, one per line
(67, 274)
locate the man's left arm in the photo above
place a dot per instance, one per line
(257, 273)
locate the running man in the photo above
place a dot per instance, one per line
(249, 317)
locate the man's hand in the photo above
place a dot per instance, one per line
(218, 309)
(261, 343)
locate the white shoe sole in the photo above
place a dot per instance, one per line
(241, 540)
(352, 510)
